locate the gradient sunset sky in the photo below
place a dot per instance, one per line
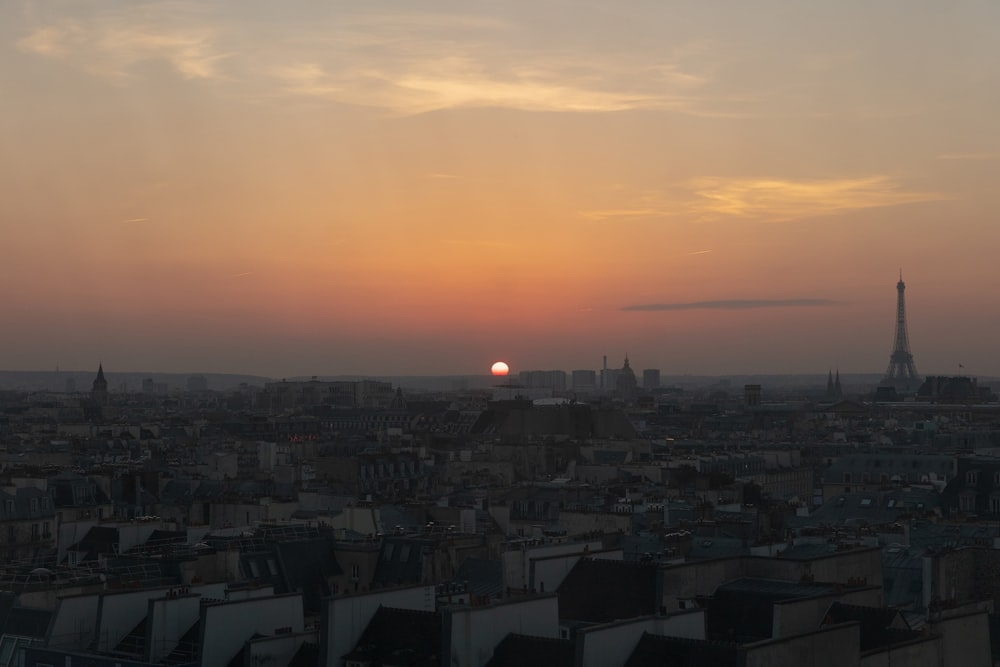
(297, 188)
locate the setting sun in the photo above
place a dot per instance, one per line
(500, 368)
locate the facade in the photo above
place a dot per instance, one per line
(651, 379)
(584, 381)
(554, 380)
(27, 525)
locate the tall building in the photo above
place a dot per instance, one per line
(901, 372)
(554, 380)
(584, 381)
(651, 379)
(99, 389)
(625, 383)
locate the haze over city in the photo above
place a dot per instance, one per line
(424, 188)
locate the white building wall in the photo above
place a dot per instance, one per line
(75, 621)
(277, 650)
(119, 613)
(168, 620)
(546, 574)
(476, 631)
(226, 626)
(517, 562)
(965, 639)
(348, 616)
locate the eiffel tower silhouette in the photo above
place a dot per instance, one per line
(901, 373)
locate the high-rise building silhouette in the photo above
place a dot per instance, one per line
(99, 390)
(901, 372)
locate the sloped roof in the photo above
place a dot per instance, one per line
(598, 591)
(876, 624)
(400, 637)
(657, 651)
(27, 622)
(525, 651)
(484, 577)
(743, 609)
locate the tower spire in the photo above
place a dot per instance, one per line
(901, 372)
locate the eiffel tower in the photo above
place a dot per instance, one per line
(901, 373)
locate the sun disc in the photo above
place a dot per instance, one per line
(500, 368)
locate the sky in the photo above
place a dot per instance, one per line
(392, 188)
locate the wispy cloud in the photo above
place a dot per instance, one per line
(111, 46)
(453, 81)
(406, 62)
(135, 220)
(780, 200)
(606, 214)
(734, 304)
(700, 252)
(414, 62)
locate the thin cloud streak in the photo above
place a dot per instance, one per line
(734, 304)
(783, 200)
(111, 47)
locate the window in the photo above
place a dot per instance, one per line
(995, 504)
(355, 571)
(847, 478)
(967, 502)
(972, 477)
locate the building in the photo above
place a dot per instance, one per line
(99, 390)
(584, 381)
(651, 379)
(625, 382)
(554, 380)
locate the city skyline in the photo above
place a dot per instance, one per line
(335, 190)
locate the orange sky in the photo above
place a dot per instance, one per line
(326, 188)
